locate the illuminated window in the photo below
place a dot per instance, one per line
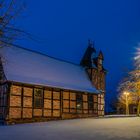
(79, 100)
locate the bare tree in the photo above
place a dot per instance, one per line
(124, 98)
(9, 10)
(131, 83)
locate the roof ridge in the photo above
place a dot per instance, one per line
(43, 54)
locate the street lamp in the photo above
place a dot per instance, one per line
(126, 99)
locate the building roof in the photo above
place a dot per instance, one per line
(26, 66)
(87, 58)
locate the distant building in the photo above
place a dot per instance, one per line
(36, 87)
(121, 108)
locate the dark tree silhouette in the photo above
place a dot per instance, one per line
(9, 11)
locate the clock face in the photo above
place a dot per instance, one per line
(100, 61)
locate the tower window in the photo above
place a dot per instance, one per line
(100, 61)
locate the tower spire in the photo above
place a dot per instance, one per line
(87, 58)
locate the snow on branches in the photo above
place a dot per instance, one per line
(137, 57)
(131, 84)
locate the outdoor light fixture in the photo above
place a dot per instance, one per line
(126, 93)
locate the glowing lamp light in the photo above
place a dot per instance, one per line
(127, 104)
(126, 93)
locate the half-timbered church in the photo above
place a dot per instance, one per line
(37, 87)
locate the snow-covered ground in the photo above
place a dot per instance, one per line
(78, 129)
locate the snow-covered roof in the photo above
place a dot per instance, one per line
(25, 66)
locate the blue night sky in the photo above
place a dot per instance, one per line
(63, 27)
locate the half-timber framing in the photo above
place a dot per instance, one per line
(62, 105)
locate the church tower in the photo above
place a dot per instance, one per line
(93, 64)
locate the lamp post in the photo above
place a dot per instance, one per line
(127, 105)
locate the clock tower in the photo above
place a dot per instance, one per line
(96, 72)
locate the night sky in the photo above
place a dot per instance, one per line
(62, 29)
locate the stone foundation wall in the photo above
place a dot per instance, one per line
(74, 116)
